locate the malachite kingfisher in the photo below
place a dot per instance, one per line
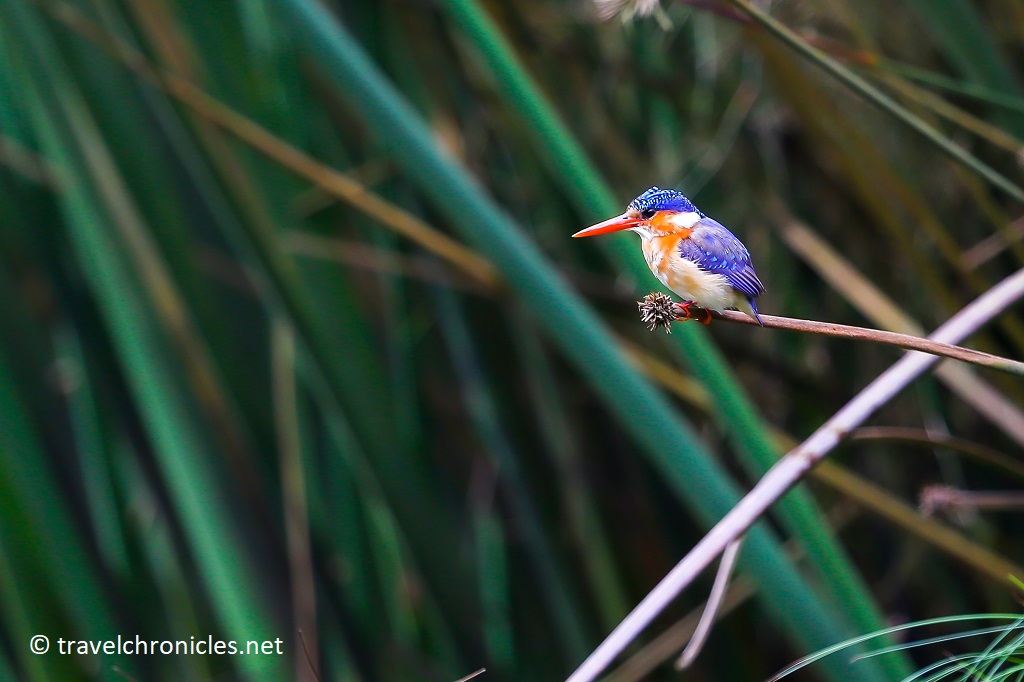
(693, 255)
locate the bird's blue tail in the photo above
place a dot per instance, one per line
(753, 306)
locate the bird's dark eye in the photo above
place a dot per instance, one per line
(647, 214)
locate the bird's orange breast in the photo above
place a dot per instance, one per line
(659, 252)
(685, 277)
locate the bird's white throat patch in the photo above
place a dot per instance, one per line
(686, 220)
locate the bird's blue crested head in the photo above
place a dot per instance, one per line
(656, 199)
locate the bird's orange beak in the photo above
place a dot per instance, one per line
(622, 222)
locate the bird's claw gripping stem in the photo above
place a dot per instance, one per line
(702, 315)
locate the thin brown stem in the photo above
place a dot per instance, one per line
(658, 310)
(921, 437)
(945, 498)
(845, 331)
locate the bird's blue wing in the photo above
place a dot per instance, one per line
(715, 249)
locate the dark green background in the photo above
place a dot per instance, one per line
(295, 342)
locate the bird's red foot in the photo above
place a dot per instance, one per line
(702, 315)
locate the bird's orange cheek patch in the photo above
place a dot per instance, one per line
(663, 223)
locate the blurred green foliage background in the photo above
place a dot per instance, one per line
(295, 343)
